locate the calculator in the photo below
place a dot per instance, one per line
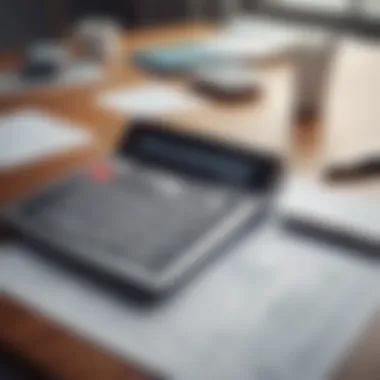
(153, 212)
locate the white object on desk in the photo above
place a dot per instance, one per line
(275, 307)
(11, 81)
(244, 47)
(338, 211)
(149, 99)
(255, 38)
(28, 135)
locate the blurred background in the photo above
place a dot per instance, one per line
(295, 103)
(24, 20)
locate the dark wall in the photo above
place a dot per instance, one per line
(133, 12)
(21, 21)
(154, 11)
(122, 10)
(145, 12)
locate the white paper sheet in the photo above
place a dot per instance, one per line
(339, 211)
(253, 313)
(28, 135)
(79, 73)
(149, 99)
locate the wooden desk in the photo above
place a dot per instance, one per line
(266, 124)
(59, 354)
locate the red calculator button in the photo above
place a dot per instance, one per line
(102, 172)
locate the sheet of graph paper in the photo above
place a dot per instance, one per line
(273, 308)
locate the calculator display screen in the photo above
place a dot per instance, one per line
(216, 164)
